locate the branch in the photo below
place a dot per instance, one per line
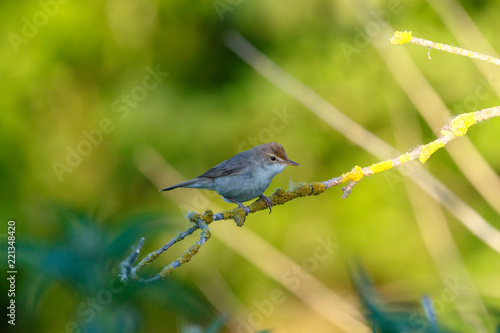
(402, 37)
(129, 272)
(455, 127)
(126, 266)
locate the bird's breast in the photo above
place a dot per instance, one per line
(242, 187)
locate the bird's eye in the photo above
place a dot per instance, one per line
(273, 158)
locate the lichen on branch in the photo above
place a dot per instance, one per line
(455, 127)
(402, 37)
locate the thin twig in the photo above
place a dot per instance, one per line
(126, 267)
(183, 258)
(153, 255)
(402, 37)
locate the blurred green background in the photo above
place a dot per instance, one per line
(98, 96)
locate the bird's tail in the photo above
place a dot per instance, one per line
(188, 183)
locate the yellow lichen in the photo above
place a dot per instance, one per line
(317, 188)
(150, 257)
(193, 217)
(459, 125)
(186, 256)
(429, 149)
(401, 37)
(381, 166)
(208, 217)
(166, 272)
(228, 215)
(302, 191)
(355, 174)
(257, 205)
(239, 216)
(404, 158)
(279, 197)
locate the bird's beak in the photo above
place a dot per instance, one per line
(292, 163)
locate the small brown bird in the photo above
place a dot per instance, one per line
(244, 176)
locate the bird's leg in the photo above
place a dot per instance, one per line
(246, 209)
(267, 201)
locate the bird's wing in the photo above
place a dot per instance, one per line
(232, 166)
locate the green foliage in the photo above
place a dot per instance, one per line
(392, 318)
(83, 268)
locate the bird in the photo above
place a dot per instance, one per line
(244, 176)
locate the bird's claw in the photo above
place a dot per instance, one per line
(267, 201)
(245, 208)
